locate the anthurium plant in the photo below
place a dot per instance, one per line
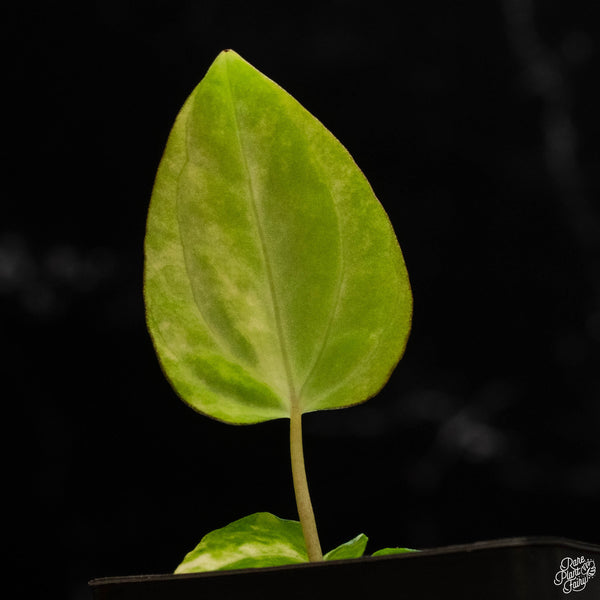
(274, 285)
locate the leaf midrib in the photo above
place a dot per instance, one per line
(293, 397)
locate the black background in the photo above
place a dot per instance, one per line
(477, 126)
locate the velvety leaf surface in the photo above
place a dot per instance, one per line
(272, 273)
(259, 540)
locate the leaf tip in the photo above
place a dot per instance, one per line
(229, 52)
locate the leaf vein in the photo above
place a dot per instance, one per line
(338, 295)
(186, 261)
(265, 254)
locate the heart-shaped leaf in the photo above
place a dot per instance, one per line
(273, 277)
(259, 540)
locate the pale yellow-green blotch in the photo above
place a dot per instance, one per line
(272, 273)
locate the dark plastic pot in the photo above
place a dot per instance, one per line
(511, 569)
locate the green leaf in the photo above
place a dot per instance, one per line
(272, 274)
(355, 548)
(259, 540)
(385, 551)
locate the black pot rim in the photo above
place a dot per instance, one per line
(514, 542)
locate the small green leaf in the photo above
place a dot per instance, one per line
(355, 548)
(385, 551)
(259, 540)
(272, 274)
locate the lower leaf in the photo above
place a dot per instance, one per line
(385, 551)
(259, 540)
(355, 548)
